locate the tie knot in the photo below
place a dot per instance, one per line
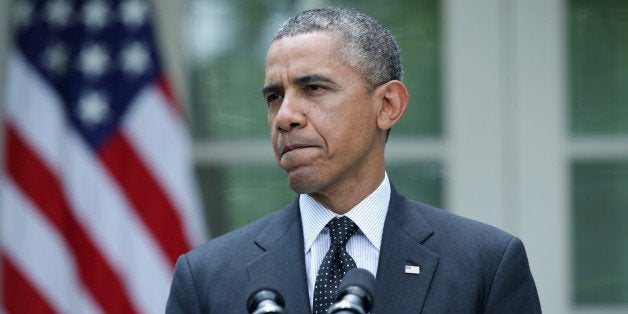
(340, 230)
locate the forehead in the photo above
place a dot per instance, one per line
(304, 53)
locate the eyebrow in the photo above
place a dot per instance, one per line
(301, 80)
(272, 88)
(309, 78)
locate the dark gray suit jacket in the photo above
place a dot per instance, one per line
(465, 266)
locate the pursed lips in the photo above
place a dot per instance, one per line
(288, 148)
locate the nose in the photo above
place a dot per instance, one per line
(291, 113)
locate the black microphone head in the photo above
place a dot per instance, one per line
(263, 288)
(358, 277)
(355, 292)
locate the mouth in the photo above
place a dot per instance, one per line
(291, 147)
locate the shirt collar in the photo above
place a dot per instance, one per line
(369, 215)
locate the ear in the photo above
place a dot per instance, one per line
(394, 100)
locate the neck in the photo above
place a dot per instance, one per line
(341, 199)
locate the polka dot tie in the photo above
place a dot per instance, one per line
(335, 264)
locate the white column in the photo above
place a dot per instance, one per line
(505, 128)
(541, 168)
(475, 109)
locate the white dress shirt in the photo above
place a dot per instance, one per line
(363, 246)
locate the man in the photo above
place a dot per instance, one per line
(333, 88)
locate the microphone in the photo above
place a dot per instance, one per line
(355, 294)
(264, 296)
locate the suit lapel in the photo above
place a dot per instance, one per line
(283, 258)
(404, 231)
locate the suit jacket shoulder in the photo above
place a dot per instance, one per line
(212, 278)
(465, 266)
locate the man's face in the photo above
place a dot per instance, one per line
(322, 120)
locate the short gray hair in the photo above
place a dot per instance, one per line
(365, 44)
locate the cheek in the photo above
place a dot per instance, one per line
(274, 137)
(272, 127)
(338, 130)
(271, 119)
(329, 124)
(356, 127)
(272, 130)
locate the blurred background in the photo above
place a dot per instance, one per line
(518, 117)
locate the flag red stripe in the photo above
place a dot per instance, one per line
(18, 294)
(44, 190)
(166, 89)
(146, 194)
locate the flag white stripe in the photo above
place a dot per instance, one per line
(31, 102)
(93, 196)
(159, 136)
(100, 204)
(101, 207)
(41, 254)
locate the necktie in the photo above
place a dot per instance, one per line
(335, 264)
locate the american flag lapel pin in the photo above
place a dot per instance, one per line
(412, 269)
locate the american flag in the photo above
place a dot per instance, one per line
(97, 197)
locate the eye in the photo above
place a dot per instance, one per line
(314, 87)
(271, 98)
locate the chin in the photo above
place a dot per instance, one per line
(301, 187)
(304, 182)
